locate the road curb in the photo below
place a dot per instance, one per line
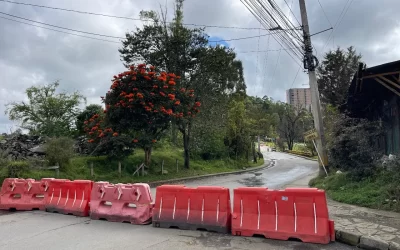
(394, 246)
(269, 164)
(304, 157)
(348, 238)
(370, 243)
(364, 242)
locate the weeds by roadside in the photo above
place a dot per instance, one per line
(107, 170)
(377, 192)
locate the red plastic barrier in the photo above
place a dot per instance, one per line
(121, 203)
(69, 197)
(300, 213)
(23, 194)
(193, 208)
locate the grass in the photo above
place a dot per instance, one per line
(375, 192)
(300, 147)
(107, 170)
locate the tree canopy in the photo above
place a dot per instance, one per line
(47, 112)
(86, 114)
(335, 74)
(212, 72)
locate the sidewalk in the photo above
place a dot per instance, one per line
(378, 224)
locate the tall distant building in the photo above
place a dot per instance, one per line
(299, 98)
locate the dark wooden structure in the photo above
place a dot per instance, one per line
(374, 94)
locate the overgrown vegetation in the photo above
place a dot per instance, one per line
(59, 151)
(106, 169)
(357, 173)
(379, 191)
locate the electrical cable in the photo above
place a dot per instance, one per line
(94, 38)
(293, 13)
(341, 16)
(295, 77)
(326, 16)
(127, 18)
(55, 26)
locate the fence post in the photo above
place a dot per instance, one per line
(162, 167)
(91, 169)
(143, 169)
(177, 165)
(119, 168)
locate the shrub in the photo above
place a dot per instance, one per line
(281, 144)
(17, 168)
(354, 148)
(59, 150)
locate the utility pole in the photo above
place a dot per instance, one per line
(310, 63)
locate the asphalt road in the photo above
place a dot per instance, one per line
(41, 230)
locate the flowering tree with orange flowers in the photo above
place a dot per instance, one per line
(140, 105)
(105, 140)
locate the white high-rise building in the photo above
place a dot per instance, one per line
(299, 98)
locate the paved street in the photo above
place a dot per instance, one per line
(286, 169)
(41, 230)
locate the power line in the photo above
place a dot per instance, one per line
(99, 39)
(240, 38)
(326, 16)
(258, 48)
(128, 18)
(262, 51)
(341, 16)
(265, 64)
(55, 26)
(295, 77)
(91, 33)
(276, 67)
(94, 38)
(271, 17)
(292, 12)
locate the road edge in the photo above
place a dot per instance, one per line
(304, 157)
(268, 164)
(363, 241)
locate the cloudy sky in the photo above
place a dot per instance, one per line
(35, 56)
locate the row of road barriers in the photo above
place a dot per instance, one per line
(300, 213)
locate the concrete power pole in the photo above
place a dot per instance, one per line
(310, 64)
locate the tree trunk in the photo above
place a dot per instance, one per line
(186, 145)
(253, 149)
(147, 156)
(290, 144)
(174, 133)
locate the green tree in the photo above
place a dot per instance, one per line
(335, 74)
(47, 112)
(86, 114)
(238, 130)
(212, 72)
(289, 126)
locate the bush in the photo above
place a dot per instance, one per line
(16, 169)
(59, 150)
(380, 191)
(209, 145)
(354, 148)
(306, 154)
(281, 144)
